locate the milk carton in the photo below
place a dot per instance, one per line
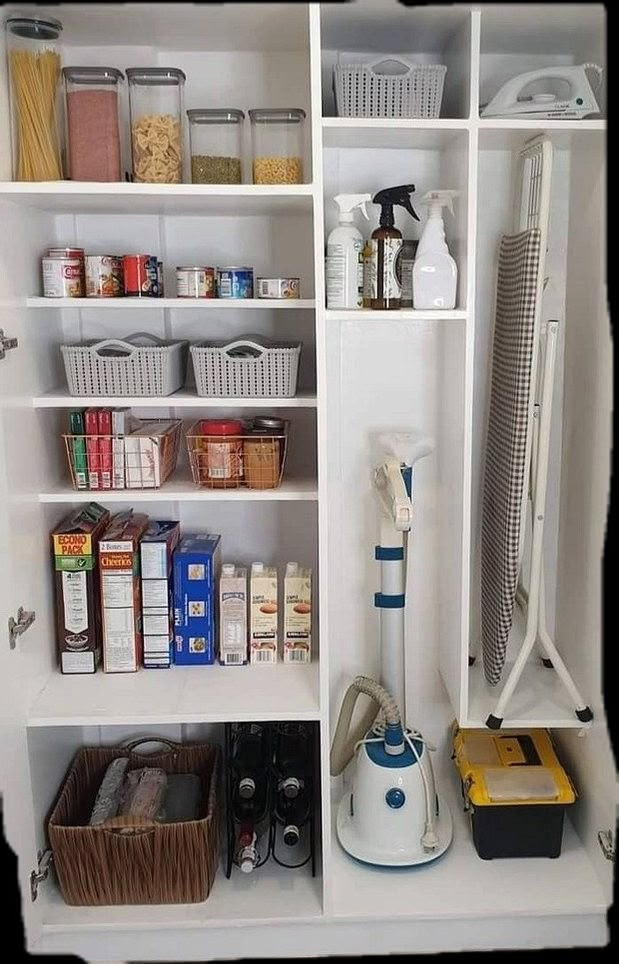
(232, 615)
(263, 614)
(297, 614)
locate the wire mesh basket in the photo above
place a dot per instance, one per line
(253, 461)
(142, 460)
(390, 87)
(125, 366)
(246, 368)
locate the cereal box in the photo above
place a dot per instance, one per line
(119, 563)
(196, 568)
(156, 552)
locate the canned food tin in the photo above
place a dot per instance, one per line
(235, 282)
(63, 277)
(104, 276)
(66, 253)
(278, 287)
(195, 282)
(160, 277)
(141, 275)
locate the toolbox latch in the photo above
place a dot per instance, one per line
(44, 859)
(606, 840)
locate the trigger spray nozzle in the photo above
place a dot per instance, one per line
(348, 202)
(436, 200)
(391, 197)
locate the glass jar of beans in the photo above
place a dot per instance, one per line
(215, 138)
(277, 145)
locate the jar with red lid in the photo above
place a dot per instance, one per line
(218, 452)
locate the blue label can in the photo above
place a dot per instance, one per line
(235, 282)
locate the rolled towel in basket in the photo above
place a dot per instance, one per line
(109, 796)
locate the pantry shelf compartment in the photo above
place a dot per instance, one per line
(180, 488)
(234, 461)
(110, 304)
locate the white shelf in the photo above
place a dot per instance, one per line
(403, 314)
(178, 304)
(539, 124)
(181, 399)
(85, 197)
(381, 132)
(182, 694)
(183, 490)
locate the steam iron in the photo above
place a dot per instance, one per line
(515, 100)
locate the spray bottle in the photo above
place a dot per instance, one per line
(344, 268)
(385, 244)
(435, 272)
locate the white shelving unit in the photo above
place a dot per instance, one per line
(360, 371)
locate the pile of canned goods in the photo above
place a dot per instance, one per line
(69, 273)
(196, 281)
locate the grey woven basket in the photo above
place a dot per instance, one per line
(125, 366)
(246, 368)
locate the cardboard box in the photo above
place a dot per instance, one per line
(232, 615)
(196, 567)
(156, 554)
(263, 614)
(297, 614)
(78, 625)
(119, 564)
(146, 452)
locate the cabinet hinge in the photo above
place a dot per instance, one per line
(6, 343)
(606, 840)
(44, 859)
(25, 619)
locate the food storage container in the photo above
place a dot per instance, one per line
(263, 452)
(34, 70)
(156, 109)
(93, 130)
(215, 138)
(216, 452)
(277, 145)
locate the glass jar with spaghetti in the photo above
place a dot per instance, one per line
(34, 70)
(156, 109)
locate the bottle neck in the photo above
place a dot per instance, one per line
(387, 219)
(346, 217)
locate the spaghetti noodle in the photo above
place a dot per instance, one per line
(34, 78)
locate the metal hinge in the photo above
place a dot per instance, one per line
(25, 619)
(44, 859)
(6, 343)
(606, 840)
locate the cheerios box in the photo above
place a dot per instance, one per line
(196, 568)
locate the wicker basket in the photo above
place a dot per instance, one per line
(390, 87)
(125, 367)
(246, 368)
(133, 860)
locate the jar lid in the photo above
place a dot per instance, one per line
(93, 75)
(221, 426)
(277, 115)
(34, 28)
(199, 115)
(269, 422)
(166, 76)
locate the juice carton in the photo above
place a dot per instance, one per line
(232, 615)
(78, 624)
(156, 551)
(196, 566)
(263, 614)
(297, 614)
(119, 564)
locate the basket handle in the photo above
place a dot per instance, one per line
(128, 344)
(244, 343)
(377, 64)
(132, 745)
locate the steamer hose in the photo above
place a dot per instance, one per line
(343, 746)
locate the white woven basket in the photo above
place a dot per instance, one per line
(246, 368)
(125, 367)
(389, 87)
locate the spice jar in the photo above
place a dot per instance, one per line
(263, 452)
(34, 72)
(155, 106)
(277, 145)
(93, 132)
(220, 453)
(215, 138)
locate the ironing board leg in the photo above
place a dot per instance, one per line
(583, 712)
(495, 719)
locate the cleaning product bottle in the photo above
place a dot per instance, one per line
(344, 267)
(385, 243)
(435, 272)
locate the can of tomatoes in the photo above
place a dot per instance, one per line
(141, 275)
(63, 277)
(104, 276)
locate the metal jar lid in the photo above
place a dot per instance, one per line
(193, 267)
(236, 267)
(108, 76)
(267, 423)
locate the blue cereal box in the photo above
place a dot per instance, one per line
(196, 567)
(156, 552)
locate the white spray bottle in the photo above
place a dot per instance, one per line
(344, 267)
(435, 272)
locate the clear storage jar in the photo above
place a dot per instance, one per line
(93, 129)
(34, 69)
(277, 145)
(156, 110)
(215, 139)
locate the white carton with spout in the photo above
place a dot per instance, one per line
(232, 615)
(297, 614)
(263, 614)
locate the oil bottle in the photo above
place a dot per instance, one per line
(384, 287)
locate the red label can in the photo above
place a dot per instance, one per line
(141, 275)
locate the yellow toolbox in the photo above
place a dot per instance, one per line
(515, 789)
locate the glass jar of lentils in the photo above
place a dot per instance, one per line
(215, 139)
(277, 142)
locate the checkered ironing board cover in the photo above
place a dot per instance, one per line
(506, 469)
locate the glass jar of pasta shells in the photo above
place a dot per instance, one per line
(156, 110)
(277, 144)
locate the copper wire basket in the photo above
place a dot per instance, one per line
(253, 461)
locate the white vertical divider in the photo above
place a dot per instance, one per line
(321, 437)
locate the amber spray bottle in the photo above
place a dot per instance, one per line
(384, 286)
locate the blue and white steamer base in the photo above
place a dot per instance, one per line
(392, 815)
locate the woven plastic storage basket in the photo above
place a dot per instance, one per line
(246, 368)
(125, 367)
(390, 87)
(132, 860)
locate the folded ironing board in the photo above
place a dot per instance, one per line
(507, 450)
